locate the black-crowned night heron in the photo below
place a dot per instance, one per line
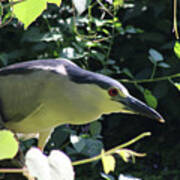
(39, 95)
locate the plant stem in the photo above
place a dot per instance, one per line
(153, 71)
(175, 20)
(151, 80)
(12, 170)
(111, 151)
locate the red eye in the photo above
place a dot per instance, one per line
(113, 92)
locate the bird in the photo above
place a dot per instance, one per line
(37, 96)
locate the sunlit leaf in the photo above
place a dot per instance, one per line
(155, 55)
(60, 166)
(57, 2)
(177, 86)
(56, 166)
(177, 49)
(107, 176)
(27, 11)
(6, 17)
(81, 5)
(109, 1)
(37, 164)
(127, 177)
(150, 99)
(118, 3)
(108, 162)
(52, 37)
(127, 154)
(71, 53)
(8, 145)
(77, 142)
(163, 65)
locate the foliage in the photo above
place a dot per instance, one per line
(55, 166)
(177, 49)
(8, 140)
(27, 11)
(128, 40)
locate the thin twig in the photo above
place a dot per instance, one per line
(12, 170)
(111, 151)
(7, 22)
(151, 80)
(104, 8)
(175, 20)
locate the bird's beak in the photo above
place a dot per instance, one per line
(139, 107)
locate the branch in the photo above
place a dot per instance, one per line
(151, 80)
(175, 20)
(111, 151)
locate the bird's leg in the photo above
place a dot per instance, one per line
(43, 138)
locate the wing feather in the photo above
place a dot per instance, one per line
(21, 94)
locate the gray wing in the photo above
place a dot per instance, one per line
(20, 95)
(21, 86)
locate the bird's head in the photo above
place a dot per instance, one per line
(113, 95)
(129, 104)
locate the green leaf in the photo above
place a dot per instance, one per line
(155, 56)
(127, 177)
(107, 176)
(95, 128)
(37, 164)
(8, 145)
(52, 37)
(150, 99)
(177, 86)
(108, 162)
(118, 3)
(28, 11)
(133, 30)
(6, 17)
(1, 10)
(127, 154)
(71, 53)
(57, 2)
(92, 147)
(177, 49)
(60, 135)
(55, 166)
(99, 56)
(4, 58)
(32, 35)
(164, 65)
(128, 73)
(81, 5)
(78, 142)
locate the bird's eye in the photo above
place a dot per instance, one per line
(113, 92)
